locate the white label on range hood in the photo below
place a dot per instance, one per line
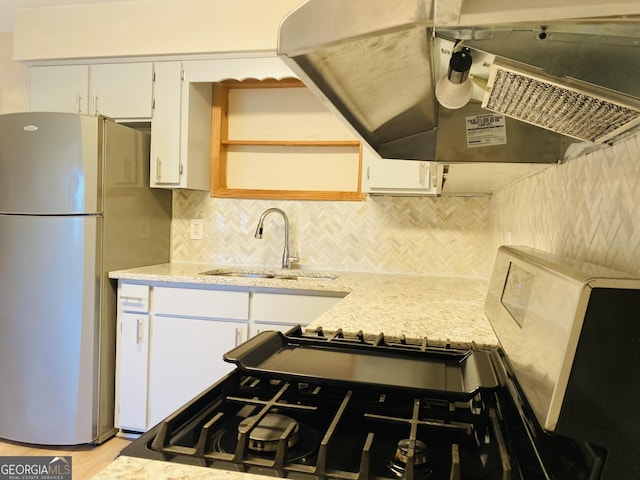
(486, 130)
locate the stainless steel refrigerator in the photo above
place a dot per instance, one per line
(75, 203)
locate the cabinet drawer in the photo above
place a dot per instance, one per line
(289, 309)
(134, 298)
(188, 302)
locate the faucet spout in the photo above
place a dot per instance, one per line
(286, 258)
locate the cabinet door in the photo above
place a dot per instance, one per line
(131, 368)
(165, 125)
(397, 176)
(59, 89)
(195, 135)
(121, 90)
(186, 358)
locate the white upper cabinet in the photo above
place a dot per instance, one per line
(477, 179)
(121, 91)
(60, 89)
(180, 129)
(399, 177)
(165, 125)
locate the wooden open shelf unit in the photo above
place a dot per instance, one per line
(305, 160)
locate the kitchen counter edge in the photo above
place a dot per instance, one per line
(438, 311)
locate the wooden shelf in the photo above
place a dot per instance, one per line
(269, 83)
(289, 194)
(260, 162)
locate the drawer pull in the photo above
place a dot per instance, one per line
(131, 299)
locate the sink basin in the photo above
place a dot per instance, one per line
(277, 276)
(250, 275)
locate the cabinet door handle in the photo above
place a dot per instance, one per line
(158, 169)
(238, 337)
(79, 103)
(95, 103)
(139, 336)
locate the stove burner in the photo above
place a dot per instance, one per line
(398, 465)
(266, 434)
(420, 450)
(263, 439)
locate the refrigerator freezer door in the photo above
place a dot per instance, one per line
(50, 163)
(48, 329)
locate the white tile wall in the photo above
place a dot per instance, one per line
(587, 208)
(423, 235)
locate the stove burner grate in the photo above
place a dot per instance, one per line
(265, 437)
(310, 430)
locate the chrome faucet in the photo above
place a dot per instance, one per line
(286, 258)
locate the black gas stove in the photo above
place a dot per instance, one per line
(555, 401)
(381, 410)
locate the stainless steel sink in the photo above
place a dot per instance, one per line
(276, 276)
(251, 275)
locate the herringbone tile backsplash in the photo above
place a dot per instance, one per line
(587, 208)
(423, 235)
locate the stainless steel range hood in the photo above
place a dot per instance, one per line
(551, 80)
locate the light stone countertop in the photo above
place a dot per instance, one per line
(444, 310)
(131, 468)
(441, 309)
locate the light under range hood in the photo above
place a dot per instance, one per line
(551, 81)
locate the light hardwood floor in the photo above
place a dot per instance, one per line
(87, 460)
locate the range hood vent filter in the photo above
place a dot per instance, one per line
(582, 112)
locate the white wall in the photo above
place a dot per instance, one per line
(14, 79)
(148, 27)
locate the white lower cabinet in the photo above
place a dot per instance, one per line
(171, 341)
(170, 353)
(133, 363)
(186, 358)
(132, 356)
